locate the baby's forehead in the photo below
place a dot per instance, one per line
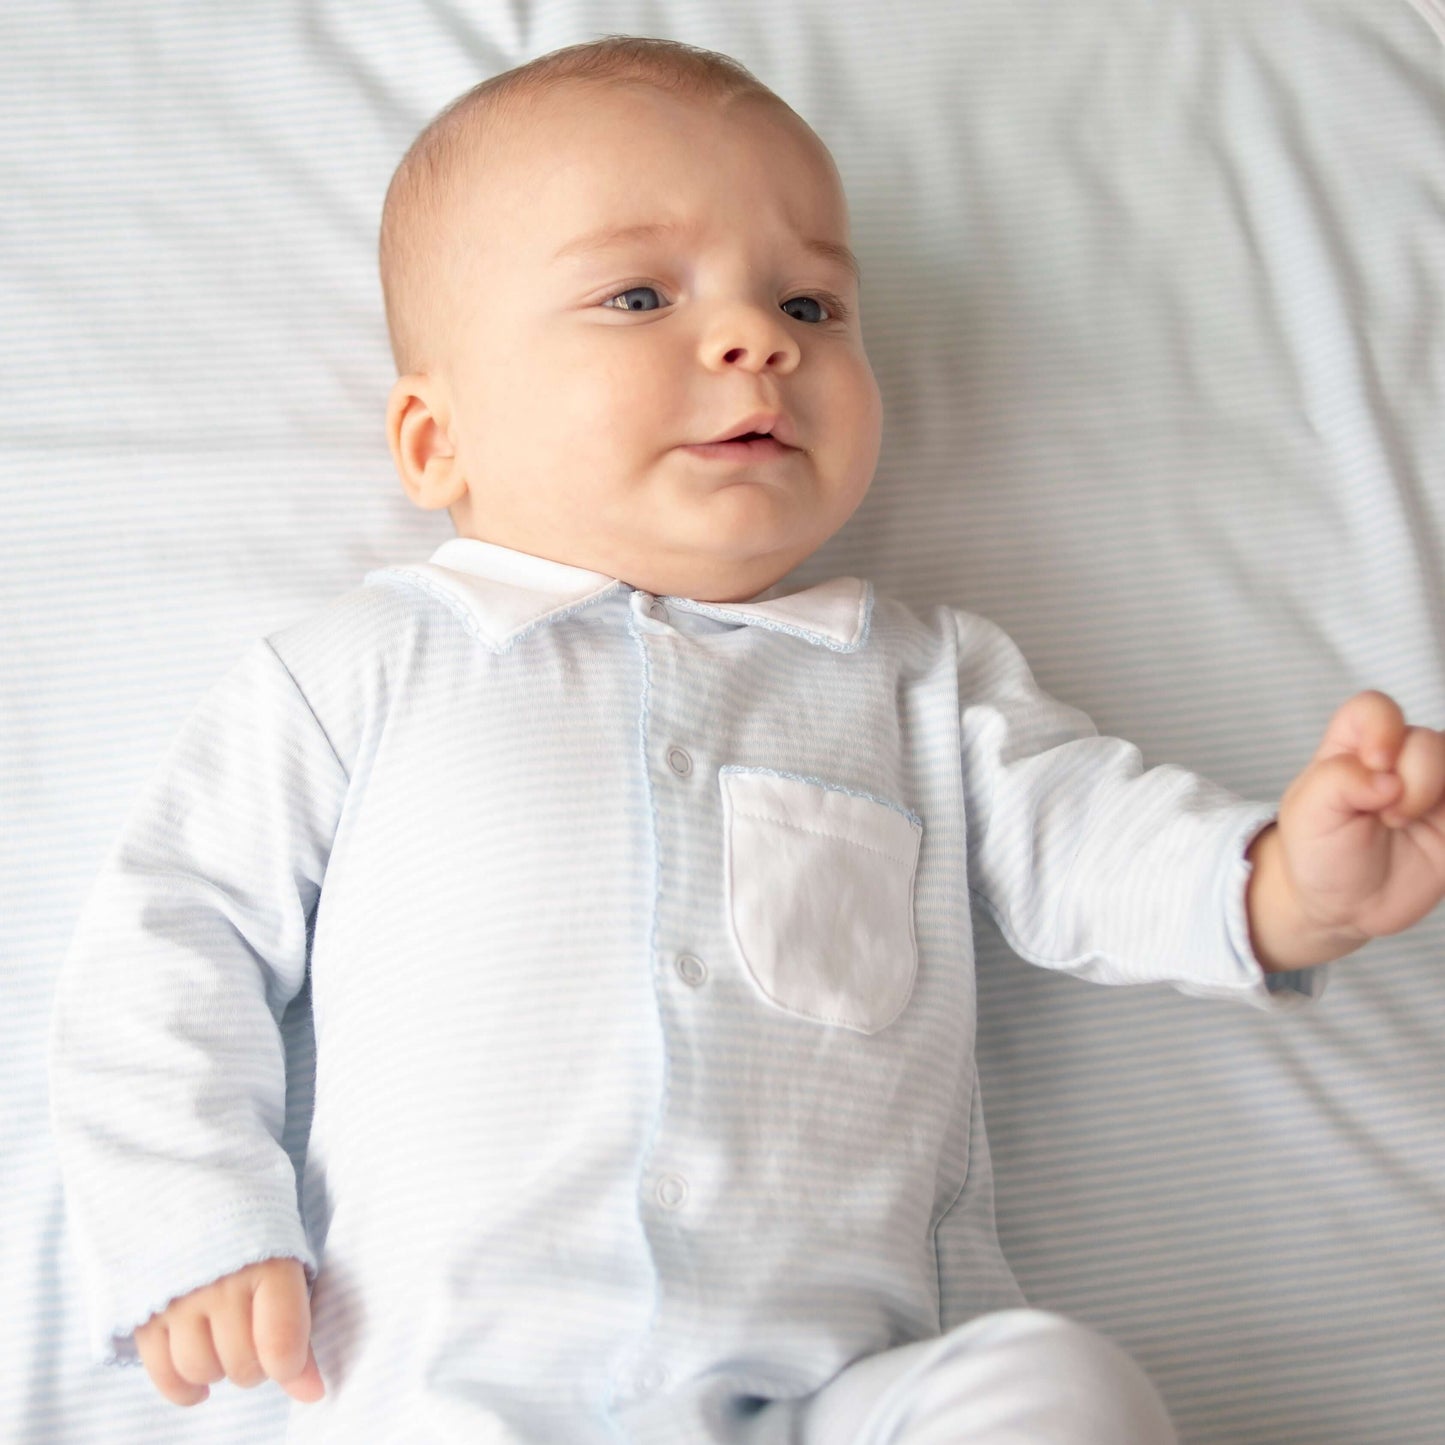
(598, 140)
(522, 130)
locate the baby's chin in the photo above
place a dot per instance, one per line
(725, 558)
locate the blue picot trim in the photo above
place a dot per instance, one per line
(831, 787)
(404, 577)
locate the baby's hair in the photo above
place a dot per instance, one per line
(432, 174)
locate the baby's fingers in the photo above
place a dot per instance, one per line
(281, 1327)
(1421, 770)
(231, 1331)
(1370, 725)
(153, 1345)
(1330, 794)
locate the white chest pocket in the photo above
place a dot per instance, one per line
(819, 886)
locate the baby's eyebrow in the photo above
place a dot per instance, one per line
(606, 236)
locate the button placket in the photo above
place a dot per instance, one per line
(664, 1193)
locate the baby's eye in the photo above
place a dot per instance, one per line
(806, 301)
(633, 299)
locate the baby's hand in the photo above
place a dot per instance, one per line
(246, 1327)
(1359, 850)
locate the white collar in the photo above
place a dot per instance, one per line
(503, 593)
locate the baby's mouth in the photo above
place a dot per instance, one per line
(746, 447)
(760, 436)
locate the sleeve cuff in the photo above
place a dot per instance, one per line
(1269, 991)
(220, 1252)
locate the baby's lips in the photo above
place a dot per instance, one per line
(770, 423)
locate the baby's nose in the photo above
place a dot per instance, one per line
(750, 339)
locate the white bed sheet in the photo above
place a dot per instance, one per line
(1155, 290)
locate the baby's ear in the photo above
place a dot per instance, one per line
(421, 446)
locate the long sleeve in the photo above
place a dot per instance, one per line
(1088, 862)
(167, 1068)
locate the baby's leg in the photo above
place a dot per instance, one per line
(1017, 1377)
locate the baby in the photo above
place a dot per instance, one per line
(632, 888)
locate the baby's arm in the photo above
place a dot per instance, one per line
(1359, 849)
(168, 1069)
(247, 1327)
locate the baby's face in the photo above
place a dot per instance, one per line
(642, 281)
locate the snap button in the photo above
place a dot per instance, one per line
(671, 1191)
(657, 610)
(651, 1379)
(679, 762)
(691, 968)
